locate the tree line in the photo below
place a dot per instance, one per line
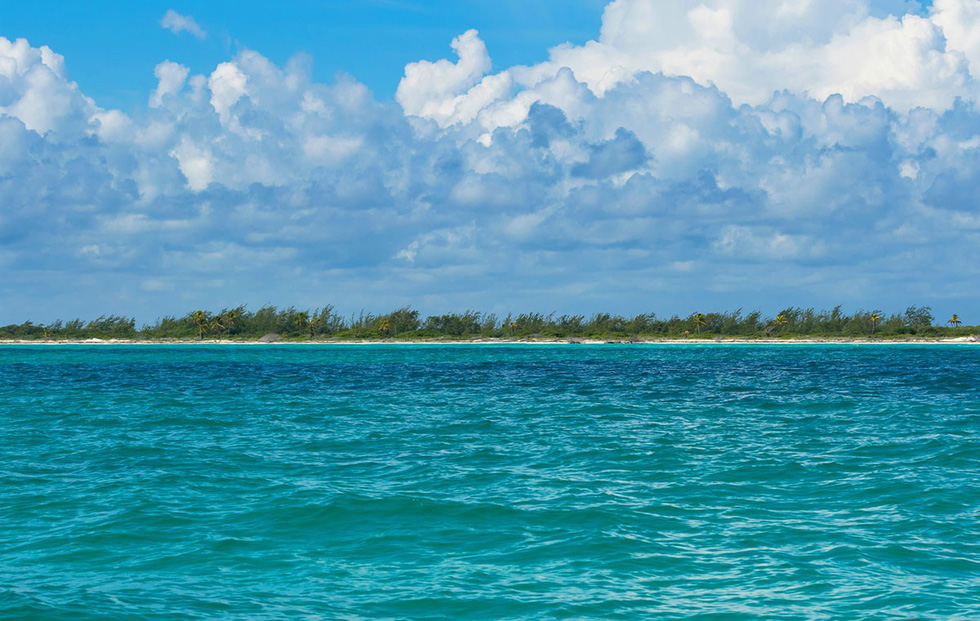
(291, 323)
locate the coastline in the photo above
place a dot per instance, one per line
(964, 340)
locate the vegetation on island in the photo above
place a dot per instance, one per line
(325, 323)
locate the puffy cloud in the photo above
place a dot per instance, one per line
(436, 90)
(172, 78)
(960, 23)
(572, 186)
(177, 23)
(227, 85)
(611, 157)
(34, 89)
(747, 48)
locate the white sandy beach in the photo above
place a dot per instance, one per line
(965, 340)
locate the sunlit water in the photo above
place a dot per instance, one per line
(632, 482)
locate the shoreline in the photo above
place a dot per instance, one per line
(965, 340)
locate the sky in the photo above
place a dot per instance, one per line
(576, 156)
(372, 40)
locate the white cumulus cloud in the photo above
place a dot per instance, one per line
(34, 89)
(435, 89)
(749, 49)
(172, 77)
(177, 23)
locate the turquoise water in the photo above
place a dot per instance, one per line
(614, 482)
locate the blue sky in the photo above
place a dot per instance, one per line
(372, 40)
(636, 156)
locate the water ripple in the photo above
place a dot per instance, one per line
(485, 482)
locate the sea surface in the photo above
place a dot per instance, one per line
(490, 482)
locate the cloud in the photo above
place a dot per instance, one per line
(544, 187)
(34, 89)
(621, 154)
(177, 23)
(435, 89)
(171, 77)
(747, 49)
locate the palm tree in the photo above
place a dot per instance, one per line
(232, 318)
(700, 320)
(200, 319)
(217, 325)
(385, 327)
(780, 321)
(875, 318)
(315, 325)
(302, 320)
(954, 321)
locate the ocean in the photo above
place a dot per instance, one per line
(490, 482)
